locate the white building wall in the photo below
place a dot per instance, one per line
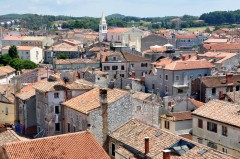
(231, 141)
(36, 55)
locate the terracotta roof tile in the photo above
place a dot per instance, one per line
(178, 116)
(218, 56)
(7, 69)
(189, 65)
(221, 111)
(219, 81)
(141, 95)
(22, 48)
(80, 145)
(234, 96)
(9, 136)
(186, 36)
(117, 30)
(90, 100)
(134, 132)
(74, 61)
(196, 103)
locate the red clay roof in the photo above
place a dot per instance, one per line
(186, 36)
(22, 48)
(68, 146)
(117, 30)
(196, 102)
(222, 46)
(221, 111)
(179, 116)
(189, 65)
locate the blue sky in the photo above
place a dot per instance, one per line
(141, 8)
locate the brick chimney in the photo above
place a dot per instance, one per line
(183, 58)
(229, 78)
(166, 154)
(104, 108)
(146, 141)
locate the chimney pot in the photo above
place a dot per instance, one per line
(166, 154)
(146, 145)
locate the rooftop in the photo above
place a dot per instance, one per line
(90, 100)
(141, 95)
(196, 102)
(189, 65)
(234, 96)
(220, 111)
(4, 70)
(74, 61)
(9, 136)
(216, 41)
(60, 85)
(222, 46)
(219, 57)
(117, 30)
(134, 132)
(178, 116)
(68, 146)
(219, 81)
(186, 36)
(21, 48)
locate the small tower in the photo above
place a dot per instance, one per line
(102, 29)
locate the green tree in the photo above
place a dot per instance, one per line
(5, 59)
(13, 53)
(207, 30)
(19, 64)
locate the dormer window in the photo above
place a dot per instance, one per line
(114, 58)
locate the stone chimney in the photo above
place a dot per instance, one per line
(229, 78)
(146, 142)
(166, 154)
(104, 108)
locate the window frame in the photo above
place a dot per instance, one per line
(200, 123)
(166, 124)
(212, 127)
(166, 77)
(114, 67)
(224, 130)
(56, 95)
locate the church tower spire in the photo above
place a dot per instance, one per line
(103, 29)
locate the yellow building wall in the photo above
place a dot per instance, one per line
(6, 118)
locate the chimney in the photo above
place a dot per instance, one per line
(146, 145)
(183, 58)
(158, 95)
(189, 56)
(133, 74)
(104, 108)
(166, 154)
(229, 78)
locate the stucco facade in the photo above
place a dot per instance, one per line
(230, 144)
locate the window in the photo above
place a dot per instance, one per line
(138, 108)
(113, 149)
(56, 109)
(224, 130)
(132, 65)
(74, 129)
(144, 64)
(122, 75)
(114, 58)
(166, 125)
(69, 130)
(200, 123)
(122, 67)
(166, 88)
(106, 68)
(27, 53)
(237, 88)
(57, 126)
(212, 127)
(114, 67)
(160, 76)
(213, 91)
(166, 77)
(180, 90)
(153, 86)
(199, 75)
(56, 95)
(224, 150)
(200, 140)
(212, 145)
(6, 110)
(177, 78)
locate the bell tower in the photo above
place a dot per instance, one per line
(102, 29)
